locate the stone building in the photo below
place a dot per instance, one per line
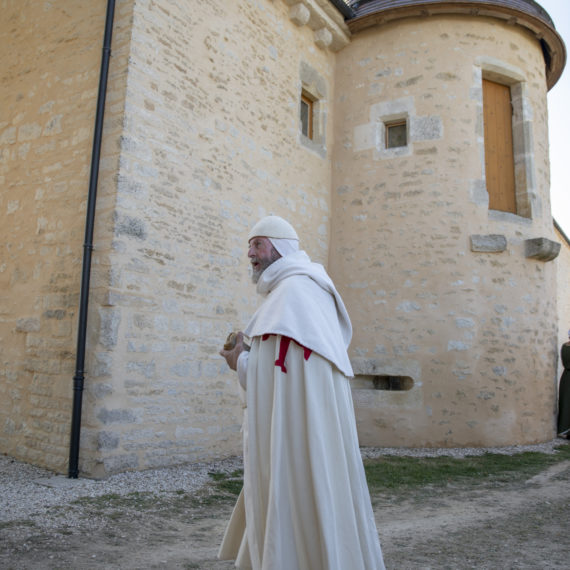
(377, 128)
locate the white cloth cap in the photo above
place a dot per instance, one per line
(273, 227)
(284, 246)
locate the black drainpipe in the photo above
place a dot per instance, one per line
(88, 247)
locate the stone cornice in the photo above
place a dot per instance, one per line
(327, 23)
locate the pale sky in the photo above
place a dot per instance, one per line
(559, 121)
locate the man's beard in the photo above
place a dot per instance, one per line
(263, 265)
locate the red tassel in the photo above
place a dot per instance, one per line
(283, 348)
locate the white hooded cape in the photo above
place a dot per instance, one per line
(305, 503)
(302, 303)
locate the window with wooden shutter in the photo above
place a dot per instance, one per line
(499, 156)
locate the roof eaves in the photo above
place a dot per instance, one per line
(343, 6)
(561, 231)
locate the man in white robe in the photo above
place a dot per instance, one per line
(305, 503)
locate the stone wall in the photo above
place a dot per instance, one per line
(50, 70)
(439, 288)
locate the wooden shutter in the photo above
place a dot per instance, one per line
(499, 161)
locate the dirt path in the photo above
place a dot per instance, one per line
(497, 525)
(524, 525)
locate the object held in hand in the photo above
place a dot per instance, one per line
(231, 342)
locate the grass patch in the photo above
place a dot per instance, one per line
(223, 489)
(396, 475)
(390, 473)
(16, 524)
(136, 501)
(231, 483)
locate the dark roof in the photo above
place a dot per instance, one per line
(363, 7)
(343, 6)
(361, 14)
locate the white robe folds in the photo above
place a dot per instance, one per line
(305, 504)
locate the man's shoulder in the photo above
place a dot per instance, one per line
(299, 283)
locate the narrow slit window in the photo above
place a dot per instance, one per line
(396, 134)
(392, 383)
(384, 382)
(307, 112)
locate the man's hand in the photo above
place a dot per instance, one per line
(232, 355)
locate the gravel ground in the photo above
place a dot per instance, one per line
(26, 490)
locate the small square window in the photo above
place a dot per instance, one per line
(307, 111)
(396, 134)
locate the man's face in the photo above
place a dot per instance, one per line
(261, 254)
